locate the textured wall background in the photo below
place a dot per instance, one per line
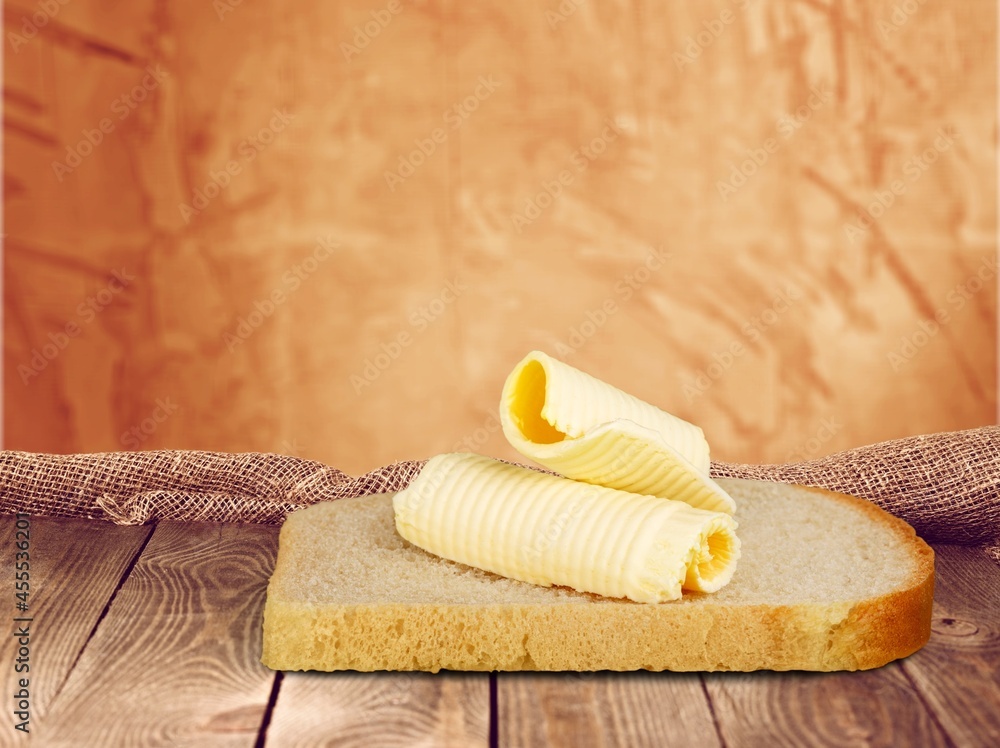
(332, 228)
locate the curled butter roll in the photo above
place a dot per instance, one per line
(587, 430)
(547, 530)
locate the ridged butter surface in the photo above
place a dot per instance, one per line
(590, 431)
(547, 530)
(825, 582)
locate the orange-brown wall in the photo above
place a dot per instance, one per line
(315, 303)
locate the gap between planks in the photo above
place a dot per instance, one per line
(70, 586)
(107, 606)
(946, 694)
(958, 673)
(178, 649)
(921, 692)
(381, 708)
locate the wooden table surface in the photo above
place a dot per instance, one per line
(150, 636)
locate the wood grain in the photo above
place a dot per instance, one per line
(869, 708)
(381, 709)
(958, 672)
(947, 693)
(176, 659)
(603, 709)
(76, 566)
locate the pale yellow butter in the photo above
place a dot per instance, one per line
(547, 530)
(589, 431)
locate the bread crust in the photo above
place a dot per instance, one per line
(612, 635)
(889, 627)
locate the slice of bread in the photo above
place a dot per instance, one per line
(825, 582)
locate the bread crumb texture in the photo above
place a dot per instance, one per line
(825, 582)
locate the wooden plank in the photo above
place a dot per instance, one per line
(871, 707)
(634, 709)
(950, 688)
(176, 659)
(383, 709)
(958, 672)
(75, 568)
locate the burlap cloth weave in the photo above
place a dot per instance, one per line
(947, 485)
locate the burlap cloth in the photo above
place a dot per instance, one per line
(947, 485)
